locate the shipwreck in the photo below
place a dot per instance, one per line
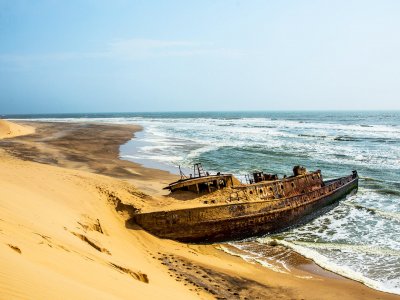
(262, 205)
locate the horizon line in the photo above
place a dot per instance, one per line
(2, 115)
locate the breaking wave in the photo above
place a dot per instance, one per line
(308, 250)
(386, 214)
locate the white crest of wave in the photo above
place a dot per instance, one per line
(321, 260)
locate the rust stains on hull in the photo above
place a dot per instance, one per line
(240, 220)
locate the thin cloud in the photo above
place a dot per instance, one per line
(130, 49)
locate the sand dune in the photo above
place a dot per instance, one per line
(60, 237)
(10, 129)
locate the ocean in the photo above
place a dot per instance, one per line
(359, 238)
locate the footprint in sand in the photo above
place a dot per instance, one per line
(15, 248)
(136, 275)
(91, 224)
(91, 243)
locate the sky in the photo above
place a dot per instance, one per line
(137, 56)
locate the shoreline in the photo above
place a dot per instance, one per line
(70, 146)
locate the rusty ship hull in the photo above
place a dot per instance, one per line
(241, 220)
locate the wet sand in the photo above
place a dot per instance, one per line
(77, 166)
(86, 146)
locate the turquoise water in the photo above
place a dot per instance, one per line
(359, 238)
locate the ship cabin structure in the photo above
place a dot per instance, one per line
(271, 189)
(201, 181)
(259, 176)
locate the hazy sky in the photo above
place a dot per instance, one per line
(118, 56)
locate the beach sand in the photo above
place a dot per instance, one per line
(65, 197)
(10, 129)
